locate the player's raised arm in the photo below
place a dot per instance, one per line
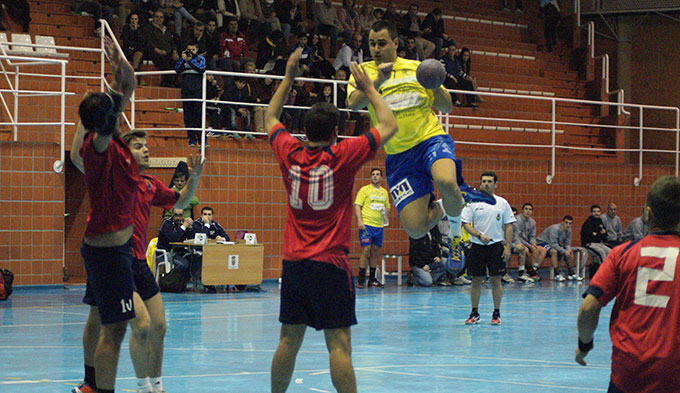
(293, 70)
(357, 99)
(387, 124)
(195, 169)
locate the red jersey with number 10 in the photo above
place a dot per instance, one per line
(644, 277)
(319, 184)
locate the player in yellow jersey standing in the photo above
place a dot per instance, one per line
(370, 206)
(421, 152)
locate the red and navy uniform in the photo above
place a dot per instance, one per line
(644, 277)
(316, 280)
(151, 192)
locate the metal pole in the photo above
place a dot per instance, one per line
(204, 83)
(102, 57)
(638, 179)
(677, 140)
(551, 176)
(16, 104)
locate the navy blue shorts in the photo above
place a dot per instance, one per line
(317, 294)
(371, 235)
(479, 258)
(109, 281)
(408, 173)
(145, 283)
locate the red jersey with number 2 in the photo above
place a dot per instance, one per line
(319, 183)
(644, 277)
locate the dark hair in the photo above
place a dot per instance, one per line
(321, 122)
(139, 19)
(182, 169)
(191, 43)
(206, 208)
(133, 134)
(568, 217)
(595, 207)
(437, 11)
(377, 169)
(88, 108)
(385, 24)
(490, 173)
(198, 23)
(527, 204)
(663, 199)
(514, 210)
(413, 5)
(231, 18)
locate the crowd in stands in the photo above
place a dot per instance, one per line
(600, 233)
(230, 34)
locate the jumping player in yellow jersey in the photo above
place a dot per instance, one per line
(421, 152)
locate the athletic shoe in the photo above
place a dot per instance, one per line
(375, 284)
(458, 281)
(409, 279)
(533, 273)
(578, 278)
(83, 388)
(443, 283)
(455, 262)
(472, 195)
(507, 279)
(560, 277)
(361, 284)
(465, 280)
(525, 277)
(496, 319)
(473, 319)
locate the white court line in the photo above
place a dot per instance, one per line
(63, 313)
(319, 390)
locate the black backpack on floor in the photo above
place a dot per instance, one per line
(174, 281)
(6, 279)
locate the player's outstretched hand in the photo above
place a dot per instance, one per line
(581, 357)
(384, 71)
(363, 82)
(196, 165)
(293, 69)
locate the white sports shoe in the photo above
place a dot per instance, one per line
(507, 279)
(560, 277)
(525, 277)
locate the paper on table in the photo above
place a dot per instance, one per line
(224, 242)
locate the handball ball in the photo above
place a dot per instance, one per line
(431, 74)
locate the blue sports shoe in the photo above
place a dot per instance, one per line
(470, 194)
(455, 262)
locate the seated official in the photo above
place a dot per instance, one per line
(174, 229)
(213, 230)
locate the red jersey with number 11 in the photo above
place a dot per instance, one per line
(644, 277)
(319, 184)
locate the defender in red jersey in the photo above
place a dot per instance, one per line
(316, 285)
(644, 277)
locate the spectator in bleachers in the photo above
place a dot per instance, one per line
(550, 11)
(612, 223)
(378, 14)
(233, 47)
(264, 89)
(326, 23)
(272, 53)
(198, 36)
(594, 234)
(212, 109)
(349, 52)
(410, 26)
(637, 229)
(225, 9)
(160, 47)
(213, 39)
(133, 42)
(433, 31)
(425, 260)
(526, 229)
(366, 18)
(411, 50)
(391, 15)
(299, 96)
(267, 7)
(518, 5)
(252, 18)
(185, 10)
(96, 10)
(349, 20)
(320, 67)
(291, 17)
(556, 240)
(306, 56)
(325, 95)
(146, 9)
(271, 21)
(19, 11)
(465, 65)
(238, 90)
(167, 7)
(191, 66)
(452, 67)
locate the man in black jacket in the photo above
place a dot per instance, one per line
(594, 234)
(175, 229)
(424, 257)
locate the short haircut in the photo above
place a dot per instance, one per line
(321, 121)
(205, 208)
(198, 24)
(377, 169)
(230, 19)
(88, 108)
(414, 5)
(568, 217)
(527, 204)
(133, 134)
(514, 211)
(490, 173)
(437, 11)
(593, 207)
(663, 199)
(385, 24)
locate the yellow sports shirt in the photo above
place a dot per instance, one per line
(410, 102)
(372, 201)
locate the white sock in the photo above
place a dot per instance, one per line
(143, 385)
(455, 225)
(522, 269)
(156, 384)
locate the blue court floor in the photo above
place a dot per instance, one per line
(407, 340)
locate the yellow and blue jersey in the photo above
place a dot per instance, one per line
(410, 102)
(372, 201)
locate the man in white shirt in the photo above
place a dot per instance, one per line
(349, 52)
(491, 238)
